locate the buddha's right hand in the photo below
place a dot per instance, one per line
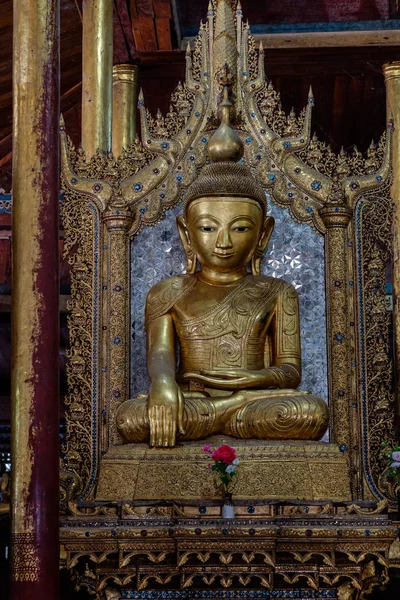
(165, 409)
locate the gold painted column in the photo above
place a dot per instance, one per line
(125, 80)
(118, 221)
(97, 59)
(336, 220)
(392, 80)
(35, 295)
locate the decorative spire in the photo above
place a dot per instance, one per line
(224, 50)
(225, 145)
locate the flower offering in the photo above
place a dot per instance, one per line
(225, 464)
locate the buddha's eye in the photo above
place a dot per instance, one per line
(241, 229)
(206, 228)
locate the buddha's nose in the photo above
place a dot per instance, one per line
(224, 239)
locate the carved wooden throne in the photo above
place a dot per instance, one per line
(117, 210)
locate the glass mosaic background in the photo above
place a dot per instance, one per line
(295, 253)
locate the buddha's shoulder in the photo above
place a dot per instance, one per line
(279, 286)
(164, 294)
(170, 286)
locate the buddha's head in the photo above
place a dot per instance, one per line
(224, 225)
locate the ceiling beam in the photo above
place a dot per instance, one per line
(323, 39)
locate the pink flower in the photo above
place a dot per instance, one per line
(396, 456)
(208, 466)
(206, 448)
(225, 454)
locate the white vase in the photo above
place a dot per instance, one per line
(228, 511)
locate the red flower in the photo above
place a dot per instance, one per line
(225, 454)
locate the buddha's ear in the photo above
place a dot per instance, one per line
(184, 235)
(265, 235)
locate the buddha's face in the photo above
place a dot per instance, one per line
(224, 232)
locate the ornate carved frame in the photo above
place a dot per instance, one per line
(345, 198)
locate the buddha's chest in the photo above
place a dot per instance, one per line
(202, 299)
(219, 312)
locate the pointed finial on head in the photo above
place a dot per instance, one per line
(225, 144)
(310, 95)
(141, 96)
(62, 122)
(239, 5)
(261, 47)
(188, 49)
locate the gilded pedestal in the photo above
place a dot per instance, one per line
(268, 470)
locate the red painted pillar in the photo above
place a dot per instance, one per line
(35, 293)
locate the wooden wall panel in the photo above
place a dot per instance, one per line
(296, 11)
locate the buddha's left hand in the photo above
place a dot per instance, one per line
(233, 379)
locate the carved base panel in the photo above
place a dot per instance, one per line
(268, 470)
(271, 549)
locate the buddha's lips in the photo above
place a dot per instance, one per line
(220, 255)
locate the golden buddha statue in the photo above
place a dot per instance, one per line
(238, 332)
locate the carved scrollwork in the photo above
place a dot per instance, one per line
(373, 222)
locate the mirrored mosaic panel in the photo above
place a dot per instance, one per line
(295, 253)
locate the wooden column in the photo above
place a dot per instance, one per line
(125, 78)
(35, 294)
(336, 220)
(97, 60)
(392, 81)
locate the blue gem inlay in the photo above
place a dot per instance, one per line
(316, 185)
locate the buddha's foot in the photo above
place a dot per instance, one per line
(291, 417)
(281, 417)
